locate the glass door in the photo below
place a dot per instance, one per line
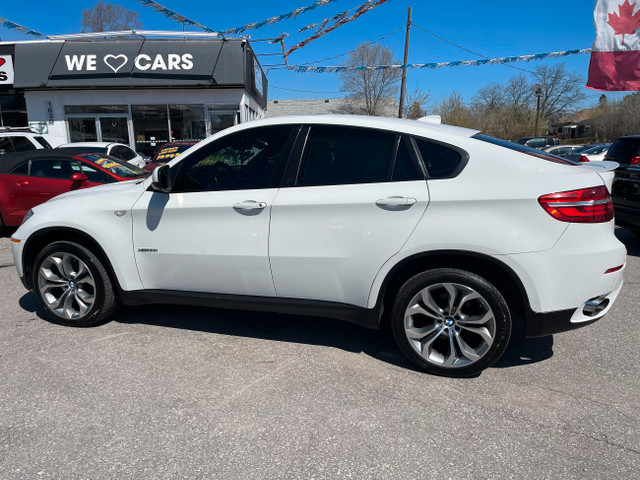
(114, 129)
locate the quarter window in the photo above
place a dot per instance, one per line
(339, 155)
(253, 158)
(440, 161)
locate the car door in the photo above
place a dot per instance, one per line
(356, 198)
(210, 234)
(47, 177)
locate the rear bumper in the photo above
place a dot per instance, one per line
(542, 324)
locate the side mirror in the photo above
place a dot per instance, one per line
(160, 180)
(79, 177)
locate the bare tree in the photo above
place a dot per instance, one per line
(418, 101)
(562, 91)
(107, 17)
(370, 88)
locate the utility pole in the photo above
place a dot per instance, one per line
(404, 70)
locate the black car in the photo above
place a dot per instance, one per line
(538, 142)
(626, 185)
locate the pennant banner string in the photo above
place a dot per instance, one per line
(468, 63)
(173, 15)
(251, 26)
(14, 26)
(340, 19)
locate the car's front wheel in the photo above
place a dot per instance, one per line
(73, 285)
(451, 322)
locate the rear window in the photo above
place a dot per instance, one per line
(623, 150)
(521, 148)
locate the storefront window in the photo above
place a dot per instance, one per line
(13, 111)
(187, 122)
(114, 129)
(150, 127)
(83, 129)
(220, 121)
(70, 109)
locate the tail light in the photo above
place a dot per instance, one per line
(635, 161)
(587, 205)
(583, 159)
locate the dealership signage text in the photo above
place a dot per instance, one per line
(142, 62)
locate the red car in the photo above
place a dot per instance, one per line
(167, 152)
(30, 178)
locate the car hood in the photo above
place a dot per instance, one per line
(114, 190)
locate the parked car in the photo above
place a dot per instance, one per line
(563, 150)
(30, 178)
(18, 139)
(626, 185)
(538, 142)
(167, 152)
(438, 231)
(118, 150)
(594, 153)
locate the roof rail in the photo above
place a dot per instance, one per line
(17, 129)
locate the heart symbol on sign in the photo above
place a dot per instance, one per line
(116, 62)
(2, 61)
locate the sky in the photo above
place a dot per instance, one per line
(493, 29)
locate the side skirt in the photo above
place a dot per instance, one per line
(368, 318)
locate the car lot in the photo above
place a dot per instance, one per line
(174, 392)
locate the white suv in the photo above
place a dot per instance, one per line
(441, 232)
(20, 139)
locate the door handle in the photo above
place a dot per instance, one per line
(249, 205)
(396, 201)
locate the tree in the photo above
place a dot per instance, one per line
(371, 89)
(417, 100)
(454, 112)
(107, 17)
(562, 91)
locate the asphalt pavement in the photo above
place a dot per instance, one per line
(175, 392)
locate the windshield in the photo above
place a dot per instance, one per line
(521, 148)
(115, 166)
(594, 150)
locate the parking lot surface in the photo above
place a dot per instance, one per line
(175, 392)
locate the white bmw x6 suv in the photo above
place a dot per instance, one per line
(442, 233)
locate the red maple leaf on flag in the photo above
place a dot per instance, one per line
(626, 21)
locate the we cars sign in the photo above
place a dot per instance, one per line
(6, 70)
(142, 62)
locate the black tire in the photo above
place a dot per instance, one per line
(456, 343)
(54, 284)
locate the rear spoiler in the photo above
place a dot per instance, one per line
(601, 167)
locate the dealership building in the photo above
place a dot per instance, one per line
(138, 88)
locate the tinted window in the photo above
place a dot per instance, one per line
(6, 146)
(94, 175)
(122, 152)
(339, 155)
(22, 169)
(253, 158)
(59, 168)
(520, 148)
(623, 150)
(405, 168)
(440, 161)
(42, 142)
(22, 144)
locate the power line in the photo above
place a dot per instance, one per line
(467, 50)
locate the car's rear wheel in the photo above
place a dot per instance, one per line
(73, 286)
(451, 322)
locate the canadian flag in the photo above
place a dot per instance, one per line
(615, 59)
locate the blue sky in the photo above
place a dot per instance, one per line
(492, 28)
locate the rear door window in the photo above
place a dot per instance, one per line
(339, 156)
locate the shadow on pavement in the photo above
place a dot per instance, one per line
(630, 240)
(378, 344)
